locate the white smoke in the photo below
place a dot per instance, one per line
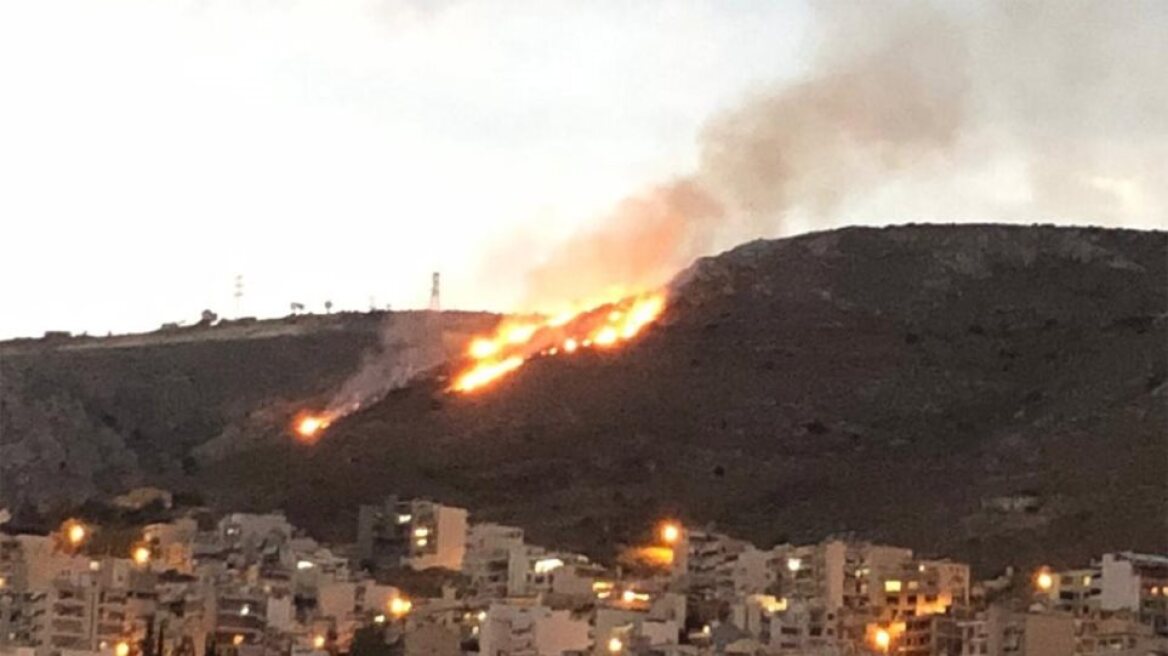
(409, 346)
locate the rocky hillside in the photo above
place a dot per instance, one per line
(989, 392)
(85, 416)
(904, 384)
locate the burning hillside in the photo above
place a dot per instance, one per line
(514, 342)
(491, 356)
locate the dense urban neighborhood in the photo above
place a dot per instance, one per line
(423, 578)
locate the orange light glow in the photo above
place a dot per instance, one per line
(141, 555)
(399, 606)
(309, 427)
(670, 533)
(1043, 580)
(482, 348)
(122, 649)
(654, 557)
(485, 372)
(606, 336)
(603, 324)
(75, 532)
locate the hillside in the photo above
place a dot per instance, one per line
(84, 416)
(884, 382)
(894, 383)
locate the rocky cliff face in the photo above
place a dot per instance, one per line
(988, 392)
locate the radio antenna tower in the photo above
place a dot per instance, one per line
(435, 303)
(238, 291)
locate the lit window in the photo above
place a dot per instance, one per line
(547, 565)
(892, 585)
(794, 564)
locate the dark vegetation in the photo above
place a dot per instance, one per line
(901, 384)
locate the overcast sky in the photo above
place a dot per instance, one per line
(151, 150)
(335, 149)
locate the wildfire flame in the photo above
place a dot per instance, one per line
(308, 427)
(596, 326)
(602, 325)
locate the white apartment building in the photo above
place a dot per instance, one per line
(419, 534)
(495, 560)
(532, 629)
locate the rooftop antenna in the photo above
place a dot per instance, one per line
(435, 304)
(238, 291)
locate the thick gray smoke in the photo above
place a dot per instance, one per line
(1007, 111)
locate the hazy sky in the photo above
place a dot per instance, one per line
(151, 150)
(336, 149)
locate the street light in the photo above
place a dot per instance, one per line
(670, 533)
(399, 606)
(615, 645)
(1043, 580)
(883, 640)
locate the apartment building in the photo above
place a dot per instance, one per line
(419, 534)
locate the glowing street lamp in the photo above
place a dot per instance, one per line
(141, 555)
(670, 533)
(400, 606)
(1043, 580)
(122, 649)
(615, 645)
(75, 533)
(883, 640)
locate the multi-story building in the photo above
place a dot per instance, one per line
(184, 614)
(837, 574)
(347, 605)
(706, 565)
(1017, 633)
(1138, 583)
(930, 635)
(974, 630)
(1116, 634)
(171, 545)
(90, 611)
(495, 560)
(419, 534)
(1075, 591)
(531, 629)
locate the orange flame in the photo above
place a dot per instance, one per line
(309, 427)
(603, 325)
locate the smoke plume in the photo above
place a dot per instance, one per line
(1009, 111)
(408, 347)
